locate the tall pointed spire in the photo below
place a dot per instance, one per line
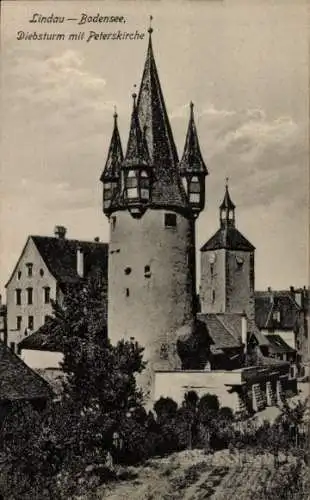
(227, 209)
(136, 153)
(192, 161)
(115, 155)
(167, 188)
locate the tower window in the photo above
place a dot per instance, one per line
(47, 294)
(113, 222)
(29, 269)
(29, 296)
(170, 220)
(127, 292)
(18, 322)
(127, 270)
(18, 296)
(213, 296)
(147, 271)
(19, 275)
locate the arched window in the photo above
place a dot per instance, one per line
(132, 185)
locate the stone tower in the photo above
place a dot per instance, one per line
(227, 267)
(152, 201)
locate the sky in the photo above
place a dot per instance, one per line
(243, 64)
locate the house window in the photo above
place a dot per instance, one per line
(12, 346)
(170, 220)
(19, 275)
(212, 270)
(18, 296)
(41, 272)
(29, 269)
(30, 322)
(29, 296)
(18, 322)
(47, 294)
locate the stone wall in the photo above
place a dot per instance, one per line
(150, 285)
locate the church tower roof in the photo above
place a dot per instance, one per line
(115, 155)
(192, 161)
(227, 237)
(227, 203)
(167, 187)
(137, 153)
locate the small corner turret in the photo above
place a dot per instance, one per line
(111, 174)
(192, 168)
(227, 209)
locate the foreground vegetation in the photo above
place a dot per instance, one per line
(98, 432)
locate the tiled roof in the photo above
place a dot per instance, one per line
(273, 306)
(225, 330)
(18, 381)
(137, 152)
(47, 338)
(167, 187)
(59, 255)
(278, 345)
(115, 156)
(230, 238)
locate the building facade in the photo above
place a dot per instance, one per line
(46, 268)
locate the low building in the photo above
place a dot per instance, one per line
(285, 314)
(45, 270)
(20, 384)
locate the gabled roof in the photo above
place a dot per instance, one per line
(225, 330)
(278, 345)
(60, 254)
(192, 161)
(228, 238)
(115, 155)
(274, 305)
(18, 381)
(47, 338)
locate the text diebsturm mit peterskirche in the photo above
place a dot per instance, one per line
(83, 20)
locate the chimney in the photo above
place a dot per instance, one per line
(269, 289)
(291, 289)
(244, 331)
(80, 261)
(60, 232)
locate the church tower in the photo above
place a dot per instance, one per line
(152, 202)
(227, 267)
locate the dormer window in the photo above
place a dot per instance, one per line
(132, 185)
(276, 316)
(29, 266)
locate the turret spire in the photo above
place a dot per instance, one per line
(115, 154)
(192, 161)
(192, 167)
(136, 154)
(227, 209)
(111, 173)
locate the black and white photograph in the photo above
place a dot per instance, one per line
(154, 250)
